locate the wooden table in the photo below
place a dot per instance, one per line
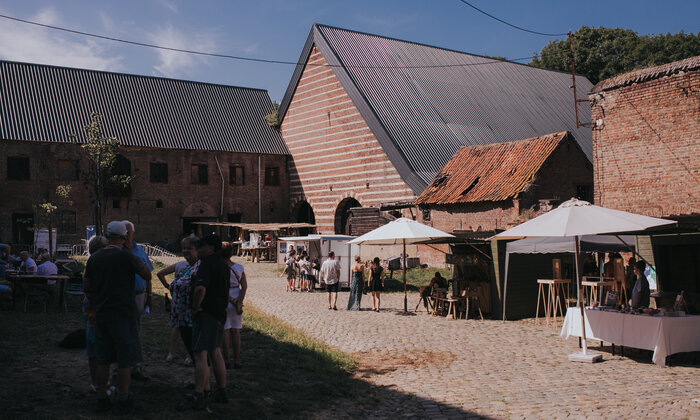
(552, 297)
(590, 287)
(18, 278)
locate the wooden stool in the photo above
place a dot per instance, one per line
(592, 288)
(552, 298)
(469, 296)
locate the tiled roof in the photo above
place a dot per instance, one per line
(492, 172)
(649, 73)
(422, 114)
(49, 104)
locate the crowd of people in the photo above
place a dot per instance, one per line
(206, 309)
(303, 275)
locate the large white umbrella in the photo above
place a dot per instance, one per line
(577, 218)
(404, 232)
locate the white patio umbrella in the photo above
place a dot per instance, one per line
(404, 232)
(577, 218)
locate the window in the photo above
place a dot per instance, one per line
(68, 170)
(121, 168)
(583, 192)
(159, 204)
(67, 222)
(272, 176)
(236, 175)
(200, 174)
(116, 204)
(159, 172)
(18, 168)
(426, 215)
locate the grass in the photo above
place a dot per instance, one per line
(286, 374)
(415, 278)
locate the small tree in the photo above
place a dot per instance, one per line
(273, 118)
(46, 211)
(102, 152)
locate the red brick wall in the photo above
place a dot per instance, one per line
(334, 153)
(179, 196)
(647, 150)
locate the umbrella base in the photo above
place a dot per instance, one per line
(585, 357)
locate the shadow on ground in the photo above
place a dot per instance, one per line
(279, 379)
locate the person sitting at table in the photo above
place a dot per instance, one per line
(5, 252)
(28, 265)
(640, 291)
(45, 267)
(438, 281)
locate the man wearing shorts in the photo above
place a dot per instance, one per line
(209, 302)
(330, 274)
(109, 285)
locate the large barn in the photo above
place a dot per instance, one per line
(370, 120)
(196, 152)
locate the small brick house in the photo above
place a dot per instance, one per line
(489, 188)
(646, 147)
(369, 120)
(196, 151)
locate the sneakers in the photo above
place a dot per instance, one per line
(188, 361)
(219, 396)
(169, 358)
(197, 401)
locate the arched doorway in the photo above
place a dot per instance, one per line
(304, 213)
(342, 215)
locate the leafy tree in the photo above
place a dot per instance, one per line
(102, 152)
(601, 53)
(273, 118)
(46, 211)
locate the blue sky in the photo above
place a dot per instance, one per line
(277, 29)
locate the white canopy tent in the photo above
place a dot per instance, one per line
(577, 218)
(401, 231)
(564, 245)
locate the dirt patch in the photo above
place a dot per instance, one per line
(370, 363)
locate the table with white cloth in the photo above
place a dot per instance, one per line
(664, 335)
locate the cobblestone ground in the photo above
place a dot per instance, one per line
(430, 367)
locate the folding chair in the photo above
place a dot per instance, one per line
(35, 289)
(73, 290)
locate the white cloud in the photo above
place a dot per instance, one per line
(177, 64)
(170, 5)
(23, 42)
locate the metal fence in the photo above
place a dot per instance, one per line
(163, 256)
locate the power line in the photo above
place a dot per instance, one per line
(242, 58)
(520, 28)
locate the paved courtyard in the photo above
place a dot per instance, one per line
(439, 368)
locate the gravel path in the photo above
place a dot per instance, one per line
(431, 367)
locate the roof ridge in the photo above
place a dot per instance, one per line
(319, 25)
(53, 66)
(647, 73)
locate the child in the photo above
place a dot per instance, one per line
(291, 270)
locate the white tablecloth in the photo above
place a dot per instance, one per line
(663, 335)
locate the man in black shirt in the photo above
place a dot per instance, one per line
(109, 285)
(209, 302)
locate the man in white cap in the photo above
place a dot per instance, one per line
(109, 285)
(142, 287)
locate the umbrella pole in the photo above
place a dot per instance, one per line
(584, 356)
(405, 297)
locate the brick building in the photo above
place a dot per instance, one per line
(369, 120)
(485, 189)
(646, 144)
(196, 151)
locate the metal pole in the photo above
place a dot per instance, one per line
(580, 301)
(405, 297)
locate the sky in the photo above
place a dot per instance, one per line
(277, 30)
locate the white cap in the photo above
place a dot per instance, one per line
(116, 230)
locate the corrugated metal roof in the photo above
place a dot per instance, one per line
(47, 103)
(493, 172)
(422, 114)
(649, 73)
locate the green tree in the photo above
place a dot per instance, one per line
(601, 53)
(46, 211)
(273, 118)
(102, 152)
